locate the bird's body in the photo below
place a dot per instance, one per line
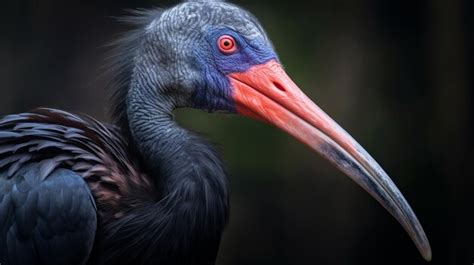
(138, 211)
(144, 190)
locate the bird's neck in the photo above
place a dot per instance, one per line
(190, 177)
(155, 135)
(171, 153)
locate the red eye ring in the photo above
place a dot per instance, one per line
(227, 44)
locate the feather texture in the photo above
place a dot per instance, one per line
(45, 221)
(57, 139)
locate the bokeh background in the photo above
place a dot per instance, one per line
(395, 74)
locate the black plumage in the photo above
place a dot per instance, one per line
(46, 152)
(43, 216)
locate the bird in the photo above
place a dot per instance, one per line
(143, 189)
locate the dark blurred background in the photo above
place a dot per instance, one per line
(395, 74)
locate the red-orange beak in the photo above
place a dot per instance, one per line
(265, 92)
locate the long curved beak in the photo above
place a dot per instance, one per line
(265, 92)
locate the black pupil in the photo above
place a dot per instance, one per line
(226, 43)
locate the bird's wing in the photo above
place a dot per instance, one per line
(57, 139)
(51, 162)
(45, 221)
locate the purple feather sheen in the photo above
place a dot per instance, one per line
(57, 139)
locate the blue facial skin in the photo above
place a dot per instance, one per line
(214, 91)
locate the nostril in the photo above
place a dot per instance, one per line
(279, 86)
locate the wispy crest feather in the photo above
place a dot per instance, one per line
(120, 62)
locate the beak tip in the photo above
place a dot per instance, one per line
(427, 254)
(424, 247)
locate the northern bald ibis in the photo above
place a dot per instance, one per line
(144, 190)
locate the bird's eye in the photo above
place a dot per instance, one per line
(227, 44)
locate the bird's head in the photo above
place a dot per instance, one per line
(215, 56)
(193, 49)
